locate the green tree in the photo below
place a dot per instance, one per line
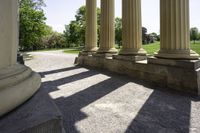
(75, 31)
(154, 36)
(48, 30)
(54, 40)
(32, 23)
(81, 24)
(118, 31)
(66, 34)
(199, 36)
(194, 34)
(144, 35)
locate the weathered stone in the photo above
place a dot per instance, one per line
(86, 53)
(17, 84)
(185, 79)
(104, 55)
(129, 57)
(188, 64)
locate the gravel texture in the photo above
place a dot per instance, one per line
(95, 101)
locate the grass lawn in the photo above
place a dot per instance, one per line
(196, 47)
(72, 50)
(44, 50)
(150, 48)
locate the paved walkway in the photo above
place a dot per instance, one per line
(101, 102)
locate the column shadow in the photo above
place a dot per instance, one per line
(58, 71)
(163, 112)
(51, 86)
(71, 106)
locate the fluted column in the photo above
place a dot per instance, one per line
(107, 27)
(17, 82)
(175, 30)
(131, 28)
(91, 26)
(8, 33)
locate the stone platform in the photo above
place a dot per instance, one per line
(37, 115)
(129, 57)
(179, 75)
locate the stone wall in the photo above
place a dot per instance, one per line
(163, 73)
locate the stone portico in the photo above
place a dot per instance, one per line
(174, 66)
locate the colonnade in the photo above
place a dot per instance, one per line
(174, 21)
(18, 82)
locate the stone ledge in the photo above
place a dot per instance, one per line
(129, 57)
(165, 76)
(37, 115)
(188, 64)
(86, 53)
(103, 55)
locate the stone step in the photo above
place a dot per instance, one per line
(38, 115)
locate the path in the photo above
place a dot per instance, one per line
(101, 102)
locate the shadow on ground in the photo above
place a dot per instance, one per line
(163, 112)
(58, 71)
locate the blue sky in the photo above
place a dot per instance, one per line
(61, 12)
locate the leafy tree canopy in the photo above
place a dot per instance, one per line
(194, 34)
(32, 23)
(75, 31)
(118, 31)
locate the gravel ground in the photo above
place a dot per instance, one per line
(101, 102)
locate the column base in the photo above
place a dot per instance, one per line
(90, 49)
(17, 84)
(133, 58)
(141, 52)
(107, 51)
(188, 55)
(104, 55)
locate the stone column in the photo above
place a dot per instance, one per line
(175, 30)
(107, 27)
(17, 82)
(8, 33)
(91, 26)
(131, 28)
